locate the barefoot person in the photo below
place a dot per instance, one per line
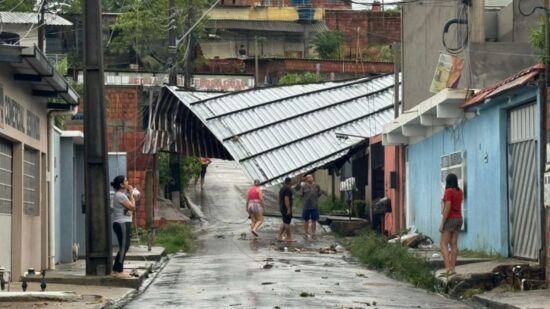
(255, 207)
(285, 206)
(123, 206)
(451, 222)
(310, 197)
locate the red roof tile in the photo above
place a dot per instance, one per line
(513, 81)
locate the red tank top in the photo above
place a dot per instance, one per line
(254, 193)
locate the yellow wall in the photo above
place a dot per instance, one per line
(260, 13)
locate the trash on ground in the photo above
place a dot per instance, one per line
(306, 294)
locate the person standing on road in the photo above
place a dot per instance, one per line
(285, 206)
(310, 200)
(451, 222)
(123, 206)
(255, 207)
(204, 165)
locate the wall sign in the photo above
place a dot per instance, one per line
(12, 113)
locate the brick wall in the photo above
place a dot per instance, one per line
(375, 28)
(125, 134)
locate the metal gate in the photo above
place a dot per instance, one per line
(6, 159)
(523, 210)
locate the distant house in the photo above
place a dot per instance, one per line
(491, 141)
(21, 28)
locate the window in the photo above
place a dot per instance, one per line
(5, 177)
(455, 163)
(30, 174)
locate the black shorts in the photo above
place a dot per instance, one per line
(286, 217)
(203, 170)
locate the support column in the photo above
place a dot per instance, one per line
(17, 212)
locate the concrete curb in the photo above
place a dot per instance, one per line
(38, 296)
(126, 298)
(492, 304)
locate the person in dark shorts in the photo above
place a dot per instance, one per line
(204, 166)
(310, 199)
(285, 206)
(451, 222)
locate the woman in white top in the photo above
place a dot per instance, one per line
(123, 206)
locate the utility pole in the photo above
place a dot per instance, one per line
(190, 46)
(173, 81)
(98, 220)
(172, 49)
(41, 25)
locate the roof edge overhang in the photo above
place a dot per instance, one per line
(43, 72)
(440, 110)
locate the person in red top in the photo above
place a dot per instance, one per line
(255, 207)
(451, 222)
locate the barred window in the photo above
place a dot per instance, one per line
(31, 181)
(6, 171)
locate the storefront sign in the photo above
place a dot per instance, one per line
(198, 82)
(12, 114)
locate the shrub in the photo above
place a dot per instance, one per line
(175, 237)
(394, 259)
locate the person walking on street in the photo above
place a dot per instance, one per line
(123, 206)
(451, 222)
(310, 197)
(204, 165)
(255, 207)
(285, 206)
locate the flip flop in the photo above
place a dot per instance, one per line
(290, 240)
(254, 233)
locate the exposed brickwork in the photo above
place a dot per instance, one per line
(375, 28)
(125, 134)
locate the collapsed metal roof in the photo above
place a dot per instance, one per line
(273, 132)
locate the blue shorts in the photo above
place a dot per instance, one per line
(310, 214)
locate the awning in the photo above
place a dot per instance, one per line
(31, 65)
(273, 132)
(442, 109)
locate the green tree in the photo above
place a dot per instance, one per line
(327, 44)
(143, 28)
(296, 78)
(536, 37)
(17, 5)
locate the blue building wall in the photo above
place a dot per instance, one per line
(483, 139)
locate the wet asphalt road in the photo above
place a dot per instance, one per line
(228, 270)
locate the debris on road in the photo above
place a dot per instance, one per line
(306, 294)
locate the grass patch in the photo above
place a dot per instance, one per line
(175, 237)
(467, 253)
(394, 259)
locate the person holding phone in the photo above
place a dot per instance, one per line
(123, 206)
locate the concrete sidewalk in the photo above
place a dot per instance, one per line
(69, 287)
(487, 279)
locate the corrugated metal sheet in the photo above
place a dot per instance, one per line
(267, 25)
(273, 132)
(32, 18)
(524, 215)
(522, 122)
